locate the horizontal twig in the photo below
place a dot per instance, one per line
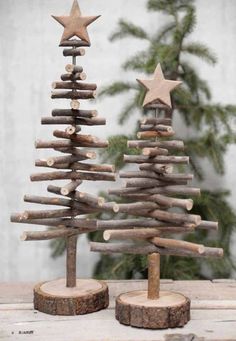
(73, 68)
(74, 113)
(158, 168)
(73, 94)
(131, 234)
(74, 86)
(178, 244)
(146, 249)
(59, 175)
(158, 159)
(47, 201)
(71, 120)
(74, 42)
(49, 234)
(74, 52)
(174, 144)
(82, 140)
(74, 76)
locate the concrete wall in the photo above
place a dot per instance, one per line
(30, 60)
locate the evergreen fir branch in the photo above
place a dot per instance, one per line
(137, 62)
(210, 147)
(188, 22)
(168, 6)
(200, 50)
(128, 29)
(163, 32)
(58, 247)
(116, 149)
(195, 84)
(117, 88)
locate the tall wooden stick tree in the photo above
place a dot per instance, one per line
(150, 193)
(70, 296)
(207, 122)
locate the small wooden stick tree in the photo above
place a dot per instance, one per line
(70, 296)
(150, 192)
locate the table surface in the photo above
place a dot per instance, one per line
(213, 315)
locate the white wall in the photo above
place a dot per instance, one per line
(30, 60)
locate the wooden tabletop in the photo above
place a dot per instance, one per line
(213, 315)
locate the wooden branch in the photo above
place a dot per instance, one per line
(161, 190)
(71, 248)
(83, 140)
(87, 224)
(175, 177)
(72, 129)
(153, 276)
(122, 248)
(146, 249)
(74, 42)
(58, 175)
(74, 52)
(130, 207)
(48, 214)
(128, 223)
(183, 190)
(74, 113)
(73, 94)
(74, 86)
(89, 199)
(74, 76)
(178, 244)
(152, 133)
(208, 225)
(144, 233)
(174, 144)
(149, 174)
(71, 120)
(84, 154)
(158, 168)
(47, 201)
(138, 174)
(65, 159)
(155, 121)
(54, 144)
(154, 151)
(176, 218)
(157, 159)
(94, 167)
(49, 234)
(158, 128)
(70, 187)
(71, 68)
(150, 183)
(78, 166)
(171, 202)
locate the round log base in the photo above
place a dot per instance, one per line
(55, 298)
(170, 310)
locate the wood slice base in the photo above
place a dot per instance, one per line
(170, 310)
(55, 298)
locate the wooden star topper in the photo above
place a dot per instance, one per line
(158, 88)
(75, 24)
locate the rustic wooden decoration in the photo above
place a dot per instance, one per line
(158, 88)
(70, 296)
(149, 191)
(75, 25)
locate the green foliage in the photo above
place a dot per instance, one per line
(211, 134)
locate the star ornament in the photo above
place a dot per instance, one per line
(158, 88)
(74, 24)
